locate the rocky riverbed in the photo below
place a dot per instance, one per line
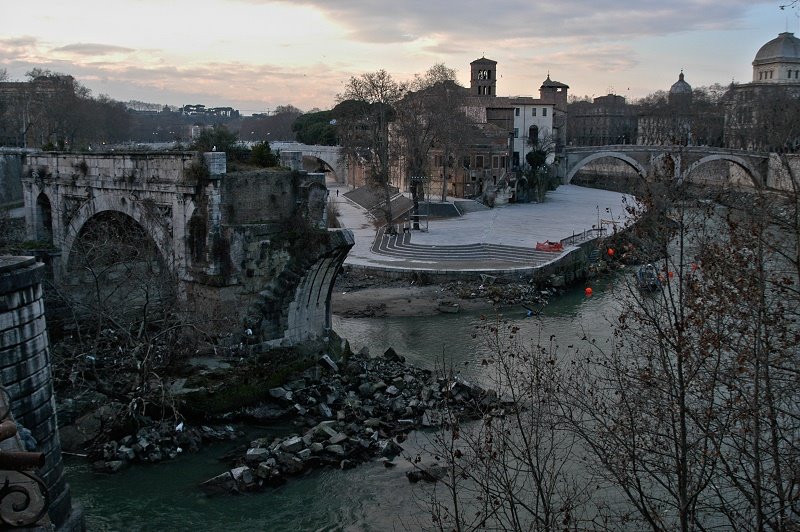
(360, 295)
(350, 412)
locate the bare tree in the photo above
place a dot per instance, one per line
(124, 331)
(515, 467)
(687, 419)
(370, 106)
(430, 118)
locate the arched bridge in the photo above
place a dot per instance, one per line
(224, 236)
(679, 163)
(329, 155)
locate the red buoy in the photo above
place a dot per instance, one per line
(588, 291)
(610, 252)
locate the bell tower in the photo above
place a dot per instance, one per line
(483, 77)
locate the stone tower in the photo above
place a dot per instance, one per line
(555, 93)
(483, 77)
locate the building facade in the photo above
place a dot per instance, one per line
(605, 120)
(762, 114)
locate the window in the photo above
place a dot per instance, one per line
(760, 76)
(533, 111)
(479, 161)
(533, 135)
(544, 111)
(516, 109)
(496, 161)
(516, 132)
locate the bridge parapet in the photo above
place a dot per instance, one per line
(168, 167)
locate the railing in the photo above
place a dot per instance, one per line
(578, 238)
(24, 498)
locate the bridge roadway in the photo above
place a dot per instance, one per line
(494, 241)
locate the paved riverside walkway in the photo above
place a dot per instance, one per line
(496, 240)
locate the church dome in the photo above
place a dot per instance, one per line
(785, 47)
(680, 86)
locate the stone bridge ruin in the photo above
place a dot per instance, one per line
(249, 250)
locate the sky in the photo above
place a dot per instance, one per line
(254, 55)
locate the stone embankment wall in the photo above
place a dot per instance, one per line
(568, 268)
(26, 375)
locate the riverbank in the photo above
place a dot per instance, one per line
(361, 295)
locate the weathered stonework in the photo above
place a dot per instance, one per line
(241, 245)
(25, 374)
(696, 164)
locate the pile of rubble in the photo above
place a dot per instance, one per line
(501, 293)
(157, 443)
(356, 413)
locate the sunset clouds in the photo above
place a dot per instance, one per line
(257, 54)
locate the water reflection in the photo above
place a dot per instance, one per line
(369, 497)
(573, 319)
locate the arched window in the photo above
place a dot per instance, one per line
(533, 134)
(44, 225)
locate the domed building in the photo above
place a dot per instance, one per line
(680, 90)
(778, 61)
(761, 115)
(668, 122)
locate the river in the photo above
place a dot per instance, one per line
(370, 497)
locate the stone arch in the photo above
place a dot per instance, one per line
(742, 163)
(614, 155)
(316, 164)
(127, 205)
(43, 218)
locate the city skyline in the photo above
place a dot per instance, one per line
(256, 54)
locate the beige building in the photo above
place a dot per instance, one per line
(762, 114)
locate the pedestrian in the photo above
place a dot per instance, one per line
(337, 192)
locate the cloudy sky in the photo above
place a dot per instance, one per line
(257, 54)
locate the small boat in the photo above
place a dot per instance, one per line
(647, 278)
(448, 307)
(549, 246)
